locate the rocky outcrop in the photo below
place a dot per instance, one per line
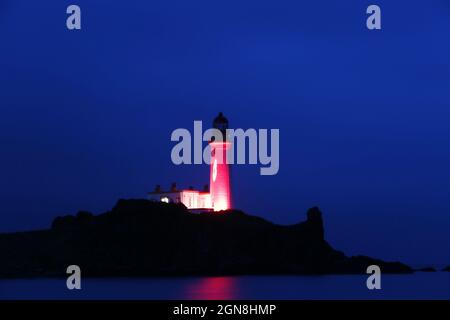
(144, 238)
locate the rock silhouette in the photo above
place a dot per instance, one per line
(144, 238)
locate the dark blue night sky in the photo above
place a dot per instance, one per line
(364, 116)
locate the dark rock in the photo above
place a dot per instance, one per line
(446, 269)
(144, 238)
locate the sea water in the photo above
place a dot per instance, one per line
(410, 286)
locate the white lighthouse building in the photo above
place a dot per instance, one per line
(218, 196)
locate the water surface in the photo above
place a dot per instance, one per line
(411, 286)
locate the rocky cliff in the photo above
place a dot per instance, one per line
(143, 238)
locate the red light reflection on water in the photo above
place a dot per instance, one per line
(212, 288)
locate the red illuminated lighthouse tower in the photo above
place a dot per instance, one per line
(219, 196)
(220, 190)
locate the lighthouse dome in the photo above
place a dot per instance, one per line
(220, 121)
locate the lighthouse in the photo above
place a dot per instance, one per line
(220, 192)
(218, 196)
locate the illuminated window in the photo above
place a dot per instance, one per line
(165, 199)
(214, 173)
